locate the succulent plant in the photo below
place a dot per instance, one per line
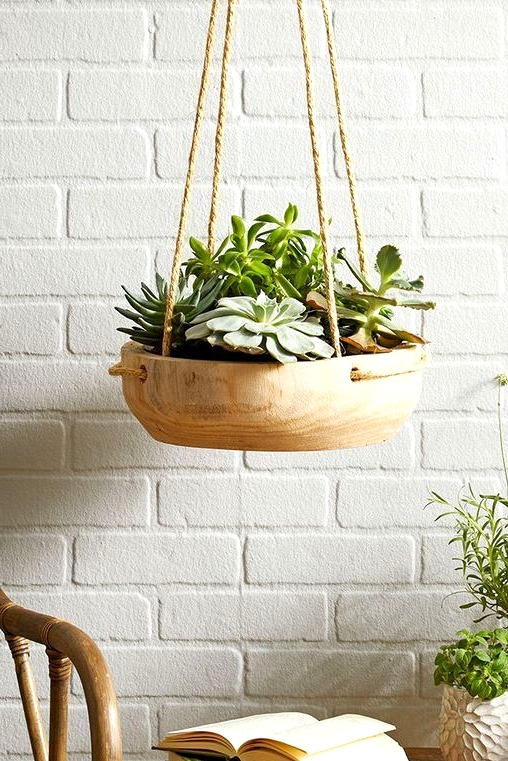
(275, 264)
(150, 310)
(262, 326)
(272, 256)
(365, 316)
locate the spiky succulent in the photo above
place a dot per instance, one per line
(150, 310)
(262, 326)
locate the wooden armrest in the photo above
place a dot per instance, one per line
(89, 662)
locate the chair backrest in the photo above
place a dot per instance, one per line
(66, 646)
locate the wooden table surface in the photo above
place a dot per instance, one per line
(423, 754)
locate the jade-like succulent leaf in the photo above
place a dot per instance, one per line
(388, 262)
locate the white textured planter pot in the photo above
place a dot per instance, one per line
(472, 729)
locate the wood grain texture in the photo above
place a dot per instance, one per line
(60, 668)
(302, 406)
(424, 754)
(20, 650)
(70, 643)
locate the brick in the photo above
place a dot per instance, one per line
(28, 328)
(88, 152)
(386, 212)
(276, 150)
(337, 673)
(468, 386)
(468, 92)
(198, 500)
(9, 684)
(103, 338)
(81, 35)
(258, 22)
(389, 91)
(448, 32)
(271, 616)
(397, 617)
(461, 213)
(75, 501)
(206, 672)
(56, 385)
(416, 720)
(136, 558)
(172, 152)
(134, 720)
(136, 728)
(272, 501)
(325, 559)
(142, 211)
(396, 454)
(30, 211)
(438, 564)
(123, 443)
(417, 725)
(178, 715)
(175, 715)
(460, 444)
(389, 501)
(102, 615)
(28, 95)
(201, 616)
(181, 32)
(428, 688)
(12, 724)
(427, 151)
(455, 270)
(138, 95)
(73, 270)
(31, 559)
(464, 327)
(32, 445)
(277, 616)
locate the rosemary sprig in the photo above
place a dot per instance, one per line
(481, 529)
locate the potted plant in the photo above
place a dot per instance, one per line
(249, 311)
(473, 722)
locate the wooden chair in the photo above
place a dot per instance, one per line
(66, 646)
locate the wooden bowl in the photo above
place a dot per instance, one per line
(326, 404)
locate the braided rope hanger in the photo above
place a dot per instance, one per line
(226, 58)
(191, 169)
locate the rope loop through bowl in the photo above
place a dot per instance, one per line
(219, 133)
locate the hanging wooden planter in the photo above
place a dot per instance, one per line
(327, 404)
(345, 401)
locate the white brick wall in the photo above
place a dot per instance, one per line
(221, 583)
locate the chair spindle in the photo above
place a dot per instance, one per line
(60, 669)
(20, 650)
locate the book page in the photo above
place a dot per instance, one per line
(227, 736)
(377, 748)
(323, 735)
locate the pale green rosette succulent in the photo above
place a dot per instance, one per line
(261, 325)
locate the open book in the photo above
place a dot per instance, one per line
(287, 737)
